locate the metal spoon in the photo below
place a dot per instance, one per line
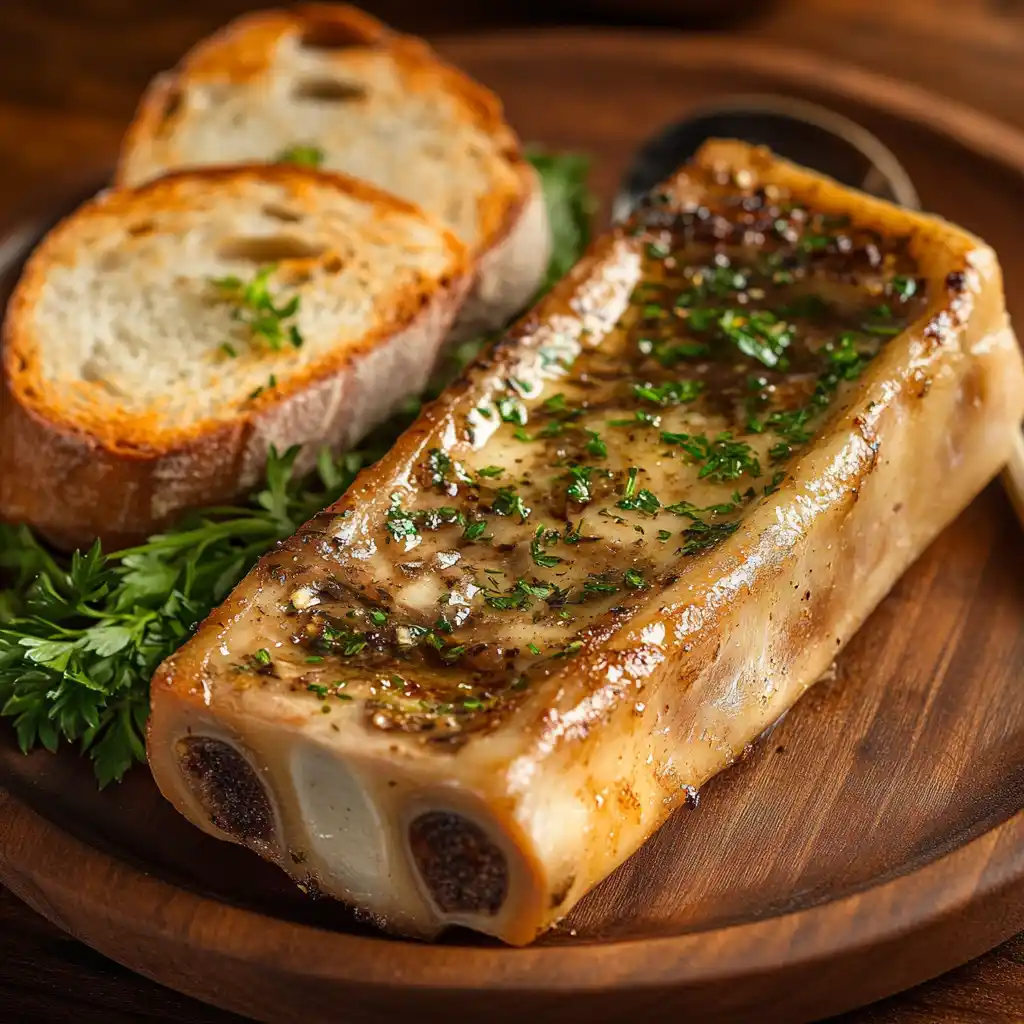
(806, 134)
(802, 132)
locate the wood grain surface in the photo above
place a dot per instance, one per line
(69, 75)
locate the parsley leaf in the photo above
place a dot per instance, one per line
(508, 502)
(701, 535)
(512, 410)
(641, 500)
(670, 353)
(519, 597)
(672, 393)
(578, 489)
(301, 155)
(903, 287)
(759, 334)
(537, 553)
(634, 579)
(254, 306)
(595, 446)
(723, 458)
(81, 638)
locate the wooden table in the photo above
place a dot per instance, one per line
(70, 72)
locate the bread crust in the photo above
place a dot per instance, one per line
(515, 245)
(76, 481)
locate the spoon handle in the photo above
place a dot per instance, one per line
(1013, 475)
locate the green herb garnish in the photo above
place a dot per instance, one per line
(301, 156)
(440, 465)
(508, 502)
(537, 553)
(254, 306)
(671, 353)
(672, 393)
(904, 288)
(400, 523)
(475, 530)
(519, 597)
(81, 638)
(723, 458)
(512, 410)
(594, 584)
(701, 536)
(573, 534)
(759, 334)
(571, 648)
(637, 500)
(578, 489)
(634, 579)
(595, 446)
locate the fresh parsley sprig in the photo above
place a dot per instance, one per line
(79, 640)
(256, 308)
(302, 155)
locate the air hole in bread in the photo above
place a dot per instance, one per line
(335, 35)
(268, 249)
(174, 99)
(142, 228)
(115, 259)
(333, 264)
(91, 373)
(282, 213)
(328, 90)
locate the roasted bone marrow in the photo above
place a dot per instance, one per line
(606, 560)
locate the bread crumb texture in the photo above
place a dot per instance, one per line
(377, 105)
(119, 329)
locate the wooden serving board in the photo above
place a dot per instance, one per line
(874, 839)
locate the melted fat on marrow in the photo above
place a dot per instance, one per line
(638, 429)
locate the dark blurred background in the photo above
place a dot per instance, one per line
(71, 70)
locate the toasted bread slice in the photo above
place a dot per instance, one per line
(160, 339)
(608, 560)
(328, 83)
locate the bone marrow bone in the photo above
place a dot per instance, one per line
(615, 553)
